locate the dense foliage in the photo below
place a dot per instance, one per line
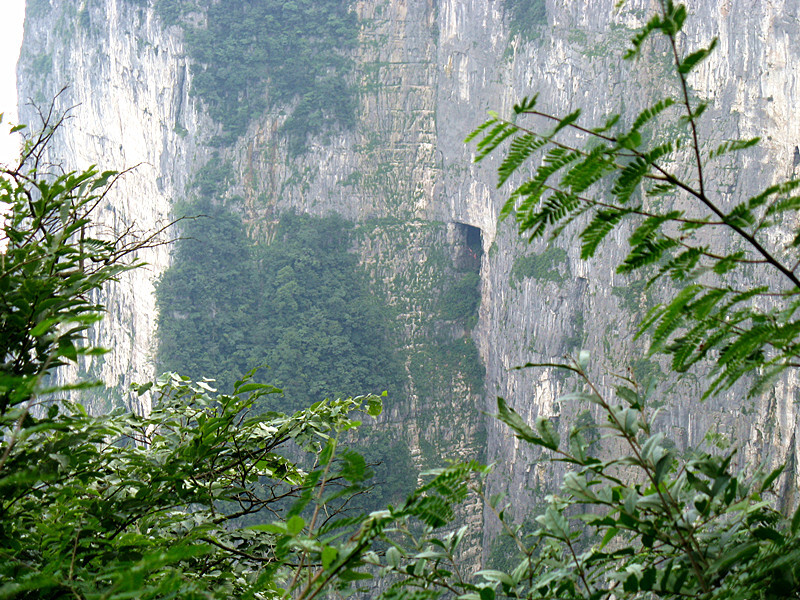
(249, 55)
(52, 260)
(642, 522)
(299, 305)
(526, 17)
(127, 506)
(545, 266)
(460, 300)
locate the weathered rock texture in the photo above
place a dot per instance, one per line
(126, 88)
(428, 70)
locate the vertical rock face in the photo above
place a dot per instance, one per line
(427, 71)
(126, 90)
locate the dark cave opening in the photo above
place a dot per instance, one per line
(469, 247)
(474, 238)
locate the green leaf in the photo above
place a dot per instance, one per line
(519, 151)
(570, 119)
(603, 222)
(478, 130)
(693, 59)
(662, 467)
(526, 104)
(631, 175)
(507, 415)
(103, 179)
(495, 576)
(493, 138)
(734, 554)
(555, 523)
(393, 557)
(45, 326)
(651, 112)
(329, 555)
(350, 575)
(611, 120)
(654, 24)
(487, 593)
(609, 535)
(295, 524)
(142, 389)
(547, 432)
(374, 406)
(768, 533)
(261, 387)
(771, 478)
(733, 146)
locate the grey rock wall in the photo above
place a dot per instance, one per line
(126, 86)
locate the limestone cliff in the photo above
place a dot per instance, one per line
(126, 91)
(427, 71)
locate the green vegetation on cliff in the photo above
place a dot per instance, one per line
(546, 266)
(248, 56)
(526, 17)
(461, 298)
(300, 305)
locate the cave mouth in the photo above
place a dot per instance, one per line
(469, 247)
